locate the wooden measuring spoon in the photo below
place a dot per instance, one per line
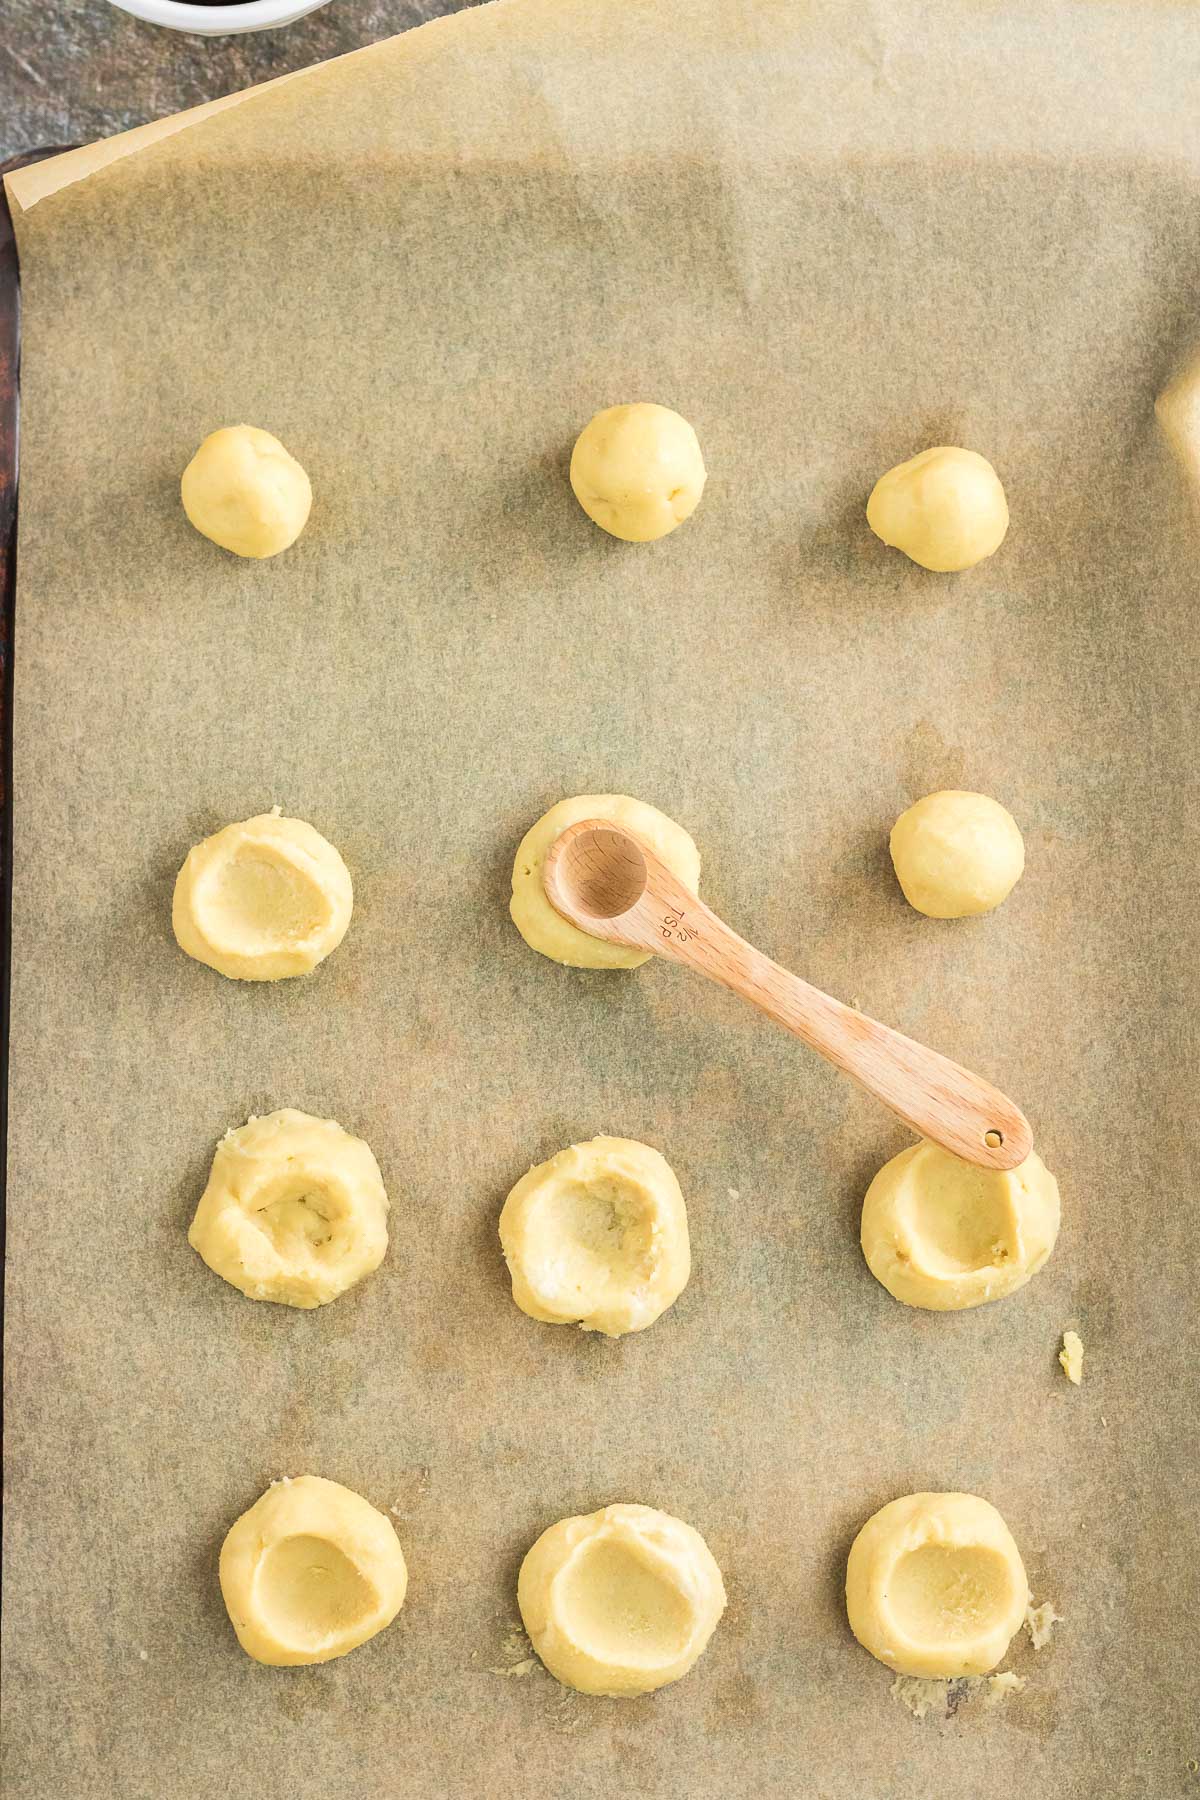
(604, 881)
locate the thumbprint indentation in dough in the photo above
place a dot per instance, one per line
(622, 1608)
(309, 1592)
(262, 899)
(964, 1224)
(942, 1234)
(598, 1238)
(621, 1601)
(258, 902)
(309, 1572)
(935, 1586)
(941, 1592)
(298, 1217)
(294, 1212)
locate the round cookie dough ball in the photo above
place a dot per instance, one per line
(263, 899)
(244, 491)
(294, 1211)
(944, 508)
(597, 1237)
(621, 1601)
(546, 930)
(944, 1235)
(637, 471)
(311, 1571)
(935, 1585)
(957, 854)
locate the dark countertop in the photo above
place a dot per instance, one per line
(76, 70)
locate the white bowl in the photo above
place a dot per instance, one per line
(219, 21)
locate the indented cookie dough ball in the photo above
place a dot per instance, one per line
(637, 471)
(945, 1235)
(957, 854)
(546, 930)
(311, 1571)
(621, 1601)
(944, 508)
(294, 1211)
(597, 1237)
(263, 899)
(935, 1585)
(244, 491)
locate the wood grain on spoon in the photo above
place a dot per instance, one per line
(603, 880)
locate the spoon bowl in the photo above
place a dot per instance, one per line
(601, 869)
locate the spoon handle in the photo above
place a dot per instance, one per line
(934, 1096)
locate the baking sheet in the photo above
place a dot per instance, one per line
(424, 267)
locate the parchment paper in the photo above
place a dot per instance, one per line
(829, 242)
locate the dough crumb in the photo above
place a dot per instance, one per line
(517, 1652)
(1040, 1622)
(143, 1656)
(921, 1695)
(999, 1687)
(943, 1697)
(918, 1696)
(734, 1193)
(1071, 1357)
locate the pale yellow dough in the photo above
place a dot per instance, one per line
(957, 854)
(637, 471)
(311, 1571)
(546, 930)
(944, 1235)
(1041, 1621)
(244, 491)
(263, 899)
(1178, 411)
(294, 1211)
(621, 1601)
(1071, 1357)
(935, 1585)
(597, 1237)
(944, 508)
